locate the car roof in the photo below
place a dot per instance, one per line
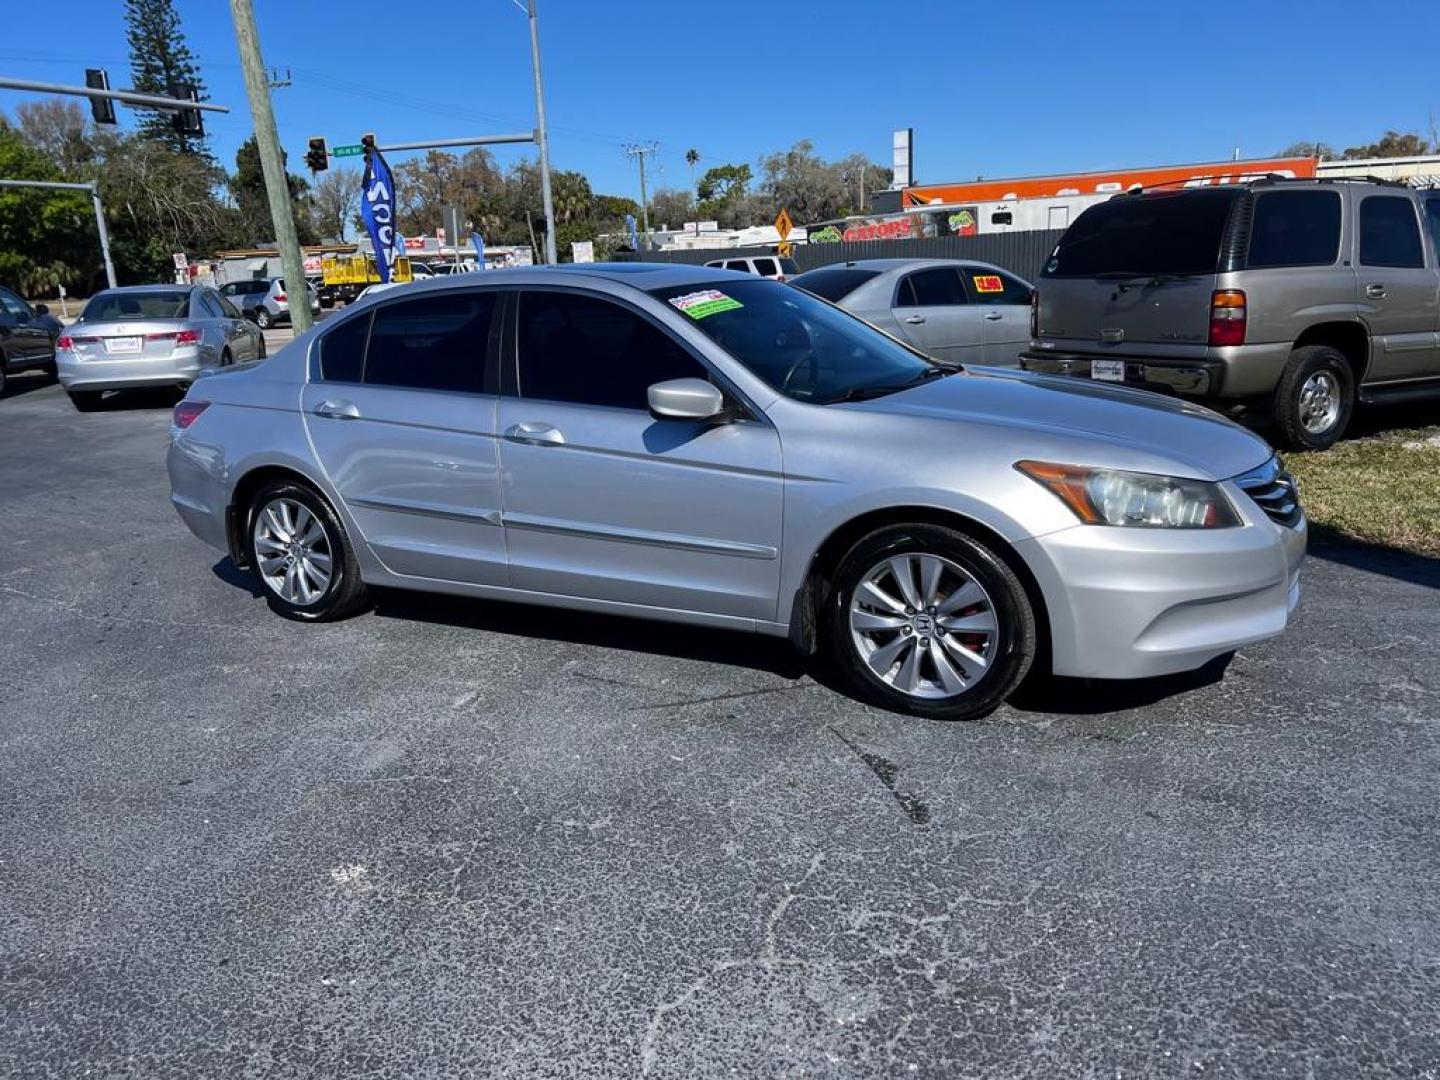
(882, 265)
(146, 289)
(641, 276)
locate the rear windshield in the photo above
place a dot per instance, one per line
(1131, 236)
(112, 307)
(833, 283)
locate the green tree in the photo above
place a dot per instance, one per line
(671, 207)
(723, 182)
(46, 237)
(247, 188)
(1392, 144)
(158, 57)
(1309, 149)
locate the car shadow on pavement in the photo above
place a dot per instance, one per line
(134, 400)
(1389, 562)
(1045, 693)
(230, 574)
(26, 382)
(733, 647)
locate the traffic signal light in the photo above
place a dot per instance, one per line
(186, 121)
(318, 156)
(102, 109)
(368, 142)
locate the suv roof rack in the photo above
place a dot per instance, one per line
(1262, 178)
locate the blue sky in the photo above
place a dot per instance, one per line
(997, 89)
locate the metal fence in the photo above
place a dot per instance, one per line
(1022, 253)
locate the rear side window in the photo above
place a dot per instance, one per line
(992, 287)
(834, 283)
(342, 350)
(1137, 235)
(931, 288)
(1295, 228)
(766, 267)
(590, 351)
(738, 264)
(1389, 233)
(432, 342)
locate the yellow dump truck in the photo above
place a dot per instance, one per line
(343, 276)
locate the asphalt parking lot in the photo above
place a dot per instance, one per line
(453, 838)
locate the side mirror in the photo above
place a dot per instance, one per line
(685, 399)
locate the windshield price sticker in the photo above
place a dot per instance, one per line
(988, 283)
(699, 305)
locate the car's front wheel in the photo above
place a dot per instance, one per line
(299, 551)
(263, 319)
(1314, 398)
(926, 620)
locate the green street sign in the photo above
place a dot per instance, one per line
(347, 151)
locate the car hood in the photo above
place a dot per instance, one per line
(1203, 444)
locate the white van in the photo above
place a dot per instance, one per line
(771, 266)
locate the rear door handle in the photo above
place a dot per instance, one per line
(994, 316)
(535, 433)
(1375, 292)
(338, 410)
(914, 320)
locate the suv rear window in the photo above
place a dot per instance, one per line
(1135, 235)
(1295, 228)
(833, 283)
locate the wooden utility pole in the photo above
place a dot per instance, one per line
(272, 162)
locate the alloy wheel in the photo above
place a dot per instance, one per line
(292, 551)
(1319, 402)
(923, 625)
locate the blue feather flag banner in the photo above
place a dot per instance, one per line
(377, 210)
(479, 242)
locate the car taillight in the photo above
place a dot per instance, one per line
(187, 412)
(280, 298)
(1227, 317)
(64, 341)
(1034, 313)
(180, 337)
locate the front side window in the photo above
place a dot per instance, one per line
(1295, 228)
(936, 287)
(1389, 233)
(590, 351)
(797, 344)
(432, 342)
(987, 286)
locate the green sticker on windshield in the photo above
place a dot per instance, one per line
(698, 305)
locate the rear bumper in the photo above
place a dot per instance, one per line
(1187, 378)
(123, 374)
(1135, 603)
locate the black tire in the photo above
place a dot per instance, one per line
(3, 376)
(225, 358)
(85, 400)
(263, 319)
(261, 354)
(346, 593)
(1009, 651)
(1330, 368)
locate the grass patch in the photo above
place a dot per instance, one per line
(1384, 489)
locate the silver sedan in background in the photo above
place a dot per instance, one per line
(959, 312)
(151, 335)
(714, 448)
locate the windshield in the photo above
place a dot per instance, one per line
(798, 345)
(1135, 236)
(117, 306)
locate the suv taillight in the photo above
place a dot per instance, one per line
(1227, 317)
(280, 298)
(1034, 313)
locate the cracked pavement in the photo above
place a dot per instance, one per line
(464, 839)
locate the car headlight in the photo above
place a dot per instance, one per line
(1141, 500)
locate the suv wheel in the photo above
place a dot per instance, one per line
(263, 318)
(1314, 398)
(301, 555)
(925, 620)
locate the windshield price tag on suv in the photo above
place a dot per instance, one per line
(708, 302)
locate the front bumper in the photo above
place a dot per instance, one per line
(1188, 378)
(1134, 603)
(122, 374)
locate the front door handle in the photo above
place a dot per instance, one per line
(1375, 292)
(338, 410)
(535, 433)
(914, 320)
(994, 316)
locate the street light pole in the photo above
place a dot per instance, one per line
(542, 135)
(272, 163)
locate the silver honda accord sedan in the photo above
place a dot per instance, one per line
(151, 335)
(713, 448)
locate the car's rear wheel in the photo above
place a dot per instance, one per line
(926, 620)
(1314, 398)
(301, 554)
(263, 319)
(85, 400)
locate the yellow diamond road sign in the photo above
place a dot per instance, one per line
(783, 224)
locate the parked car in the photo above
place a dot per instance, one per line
(25, 342)
(420, 269)
(151, 335)
(670, 442)
(770, 266)
(1294, 299)
(959, 312)
(265, 300)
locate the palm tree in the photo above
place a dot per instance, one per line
(692, 157)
